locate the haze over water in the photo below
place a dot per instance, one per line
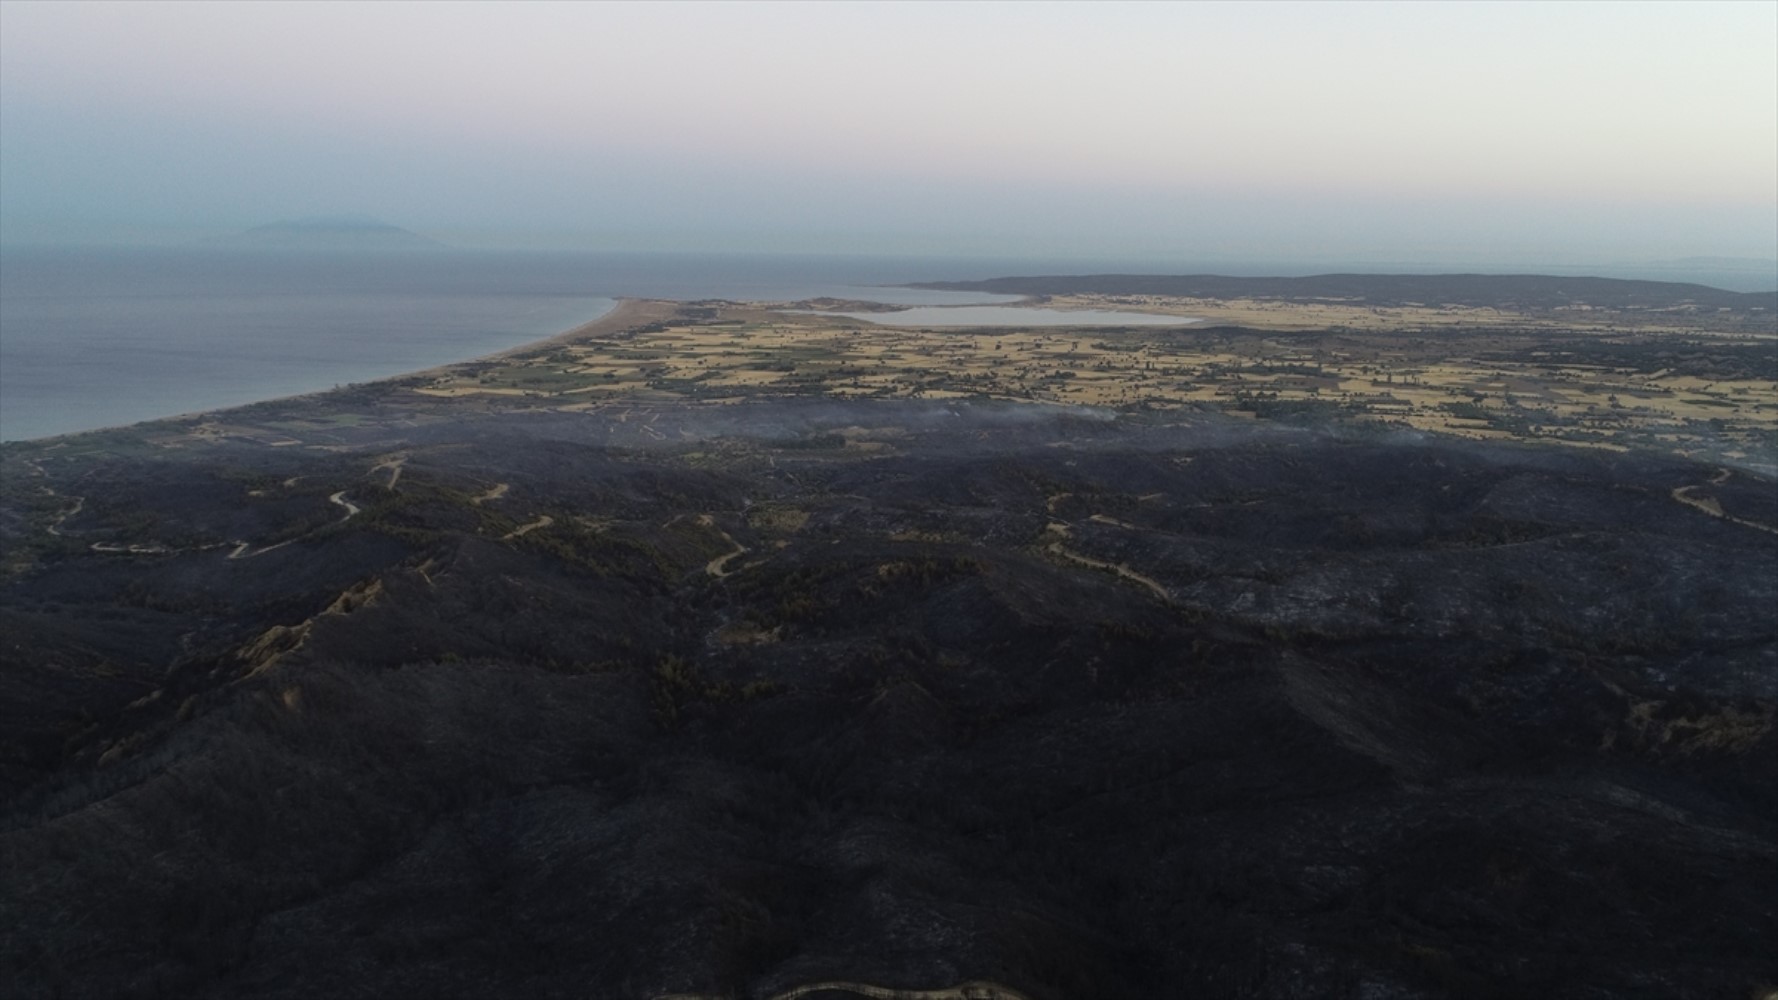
(98, 338)
(1503, 133)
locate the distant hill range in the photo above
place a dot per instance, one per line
(1537, 291)
(330, 233)
(1755, 265)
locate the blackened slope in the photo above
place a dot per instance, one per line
(1409, 720)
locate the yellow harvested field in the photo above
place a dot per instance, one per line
(1508, 376)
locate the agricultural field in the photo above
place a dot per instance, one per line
(1680, 385)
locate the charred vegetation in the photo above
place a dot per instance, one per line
(1082, 704)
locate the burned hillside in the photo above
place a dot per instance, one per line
(1080, 703)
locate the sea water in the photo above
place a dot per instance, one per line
(100, 338)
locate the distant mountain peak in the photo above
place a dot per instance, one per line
(330, 232)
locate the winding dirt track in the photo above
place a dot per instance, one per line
(79, 504)
(394, 466)
(1120, 569)
(244, 550)
(135, 550)
(718, 567)
(1709, 505)
(241, 550)
(543, 521)
(495, 492)
(975, 989)
(1114, 522)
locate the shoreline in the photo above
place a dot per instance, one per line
(627, 312)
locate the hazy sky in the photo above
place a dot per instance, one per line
(1542, 132)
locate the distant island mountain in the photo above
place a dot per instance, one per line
(1534, 291)
(328, 233)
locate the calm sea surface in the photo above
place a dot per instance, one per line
(94, 339)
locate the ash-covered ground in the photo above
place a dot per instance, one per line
(727, 700)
